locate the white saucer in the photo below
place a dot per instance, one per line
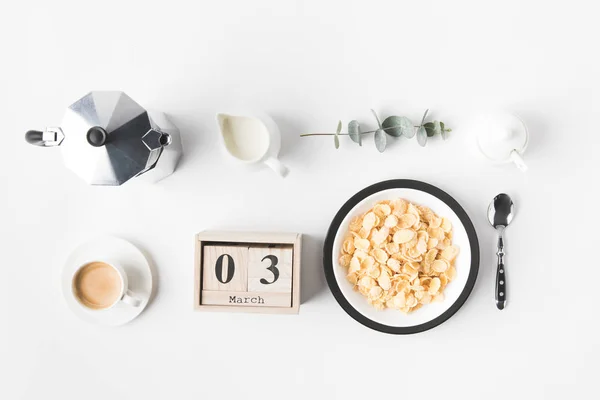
(133, 262)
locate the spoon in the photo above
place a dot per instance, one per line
(500, 212)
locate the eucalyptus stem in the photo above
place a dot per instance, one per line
(346, 134)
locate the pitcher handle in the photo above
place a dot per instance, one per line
(516, 157)
(277, 166)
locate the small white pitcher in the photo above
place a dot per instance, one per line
(252, 139)
(502, 138)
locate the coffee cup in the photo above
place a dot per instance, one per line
(101, 285)
(252, 138)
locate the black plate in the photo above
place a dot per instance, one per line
(395, 184)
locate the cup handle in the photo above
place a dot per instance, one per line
(516, 157)
(277, 166)
(131, 299)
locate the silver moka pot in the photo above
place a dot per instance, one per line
(107, 138)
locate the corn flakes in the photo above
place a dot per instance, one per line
(399, 255)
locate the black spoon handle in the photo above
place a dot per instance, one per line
(500, 276)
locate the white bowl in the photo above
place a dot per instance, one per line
(430, 315)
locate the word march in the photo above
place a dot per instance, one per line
(246, 300)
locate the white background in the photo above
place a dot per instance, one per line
(307, 64)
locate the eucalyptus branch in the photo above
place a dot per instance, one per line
(391, 126)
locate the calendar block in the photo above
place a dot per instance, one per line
(270, 269)
(225, 268)
(247, 272)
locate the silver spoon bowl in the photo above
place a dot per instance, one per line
(500, 213)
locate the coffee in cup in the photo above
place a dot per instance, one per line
(99, 285)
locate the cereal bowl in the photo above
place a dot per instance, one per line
(392, 320)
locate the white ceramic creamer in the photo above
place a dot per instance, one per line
(501, 137)
(252, 139)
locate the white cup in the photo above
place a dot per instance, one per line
(501, 137)
(125, 295)
(252, 138)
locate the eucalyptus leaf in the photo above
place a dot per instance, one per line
(354, 132)
(398, 126)
(424, 116)
(422, 136)
(380, 140)
(429, 128)
(437, 129)
(410, 132)
(336, 137)
(444, 131)
(376, 117)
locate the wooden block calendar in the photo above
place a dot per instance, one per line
(247, 272)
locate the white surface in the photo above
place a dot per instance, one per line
(308, 64)
(453, 290)
(115, 251)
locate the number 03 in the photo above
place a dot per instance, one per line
(230, 269)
